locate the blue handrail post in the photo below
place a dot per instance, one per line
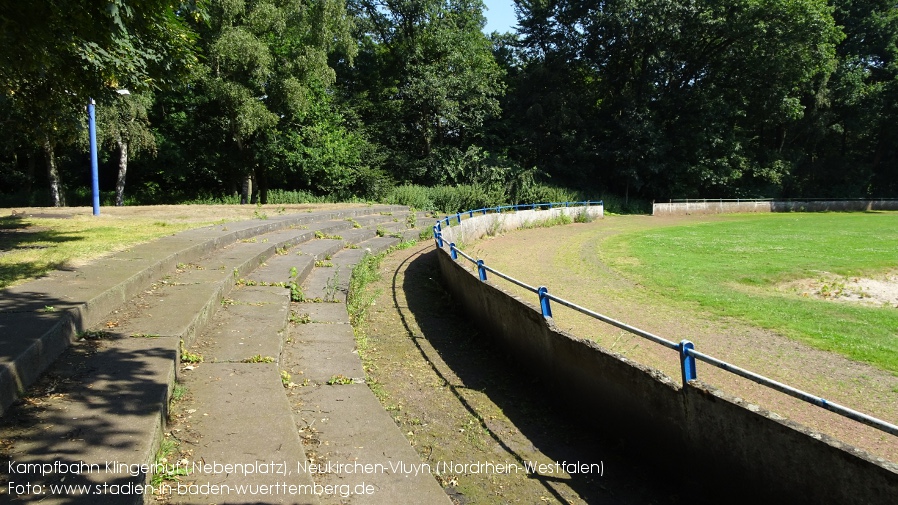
(544, 301)
(687, 362)
(484, 211)
(438, 227)
(440, 240)
(452, 251)
(447, 220)
(470, 213)
(480, 270)
(458, 217)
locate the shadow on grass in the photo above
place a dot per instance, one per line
(16, 234)
(559, 430)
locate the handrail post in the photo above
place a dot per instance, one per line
(687, 362)
(470, 213)
(440, 240)
(544, 302)
(438, 227)
(484, 211)
(480, 270)
(452, 251)
(458, 217)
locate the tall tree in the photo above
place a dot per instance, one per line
(58, 53)
(686, 97)
(267, 61)
(123, 126)
(847, 141)
(425, 83)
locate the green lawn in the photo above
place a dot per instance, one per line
(33, 247)
(731, 266)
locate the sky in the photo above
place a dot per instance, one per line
(499, 16)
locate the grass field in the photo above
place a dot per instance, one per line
(35, 241)
(732, 267)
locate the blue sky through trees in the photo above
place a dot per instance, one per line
(499, 16)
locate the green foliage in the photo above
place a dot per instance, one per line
(190, 357)
(298, 101)
(258, 358)
(296, 294)
(425, 85)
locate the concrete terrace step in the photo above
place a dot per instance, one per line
(330, 283)
(341, 420)
(106, 400)
(38, 320)
(240, 412)
(230, 422)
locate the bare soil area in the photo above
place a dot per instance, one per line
(461, 401)
(569, 260)
(877, 292)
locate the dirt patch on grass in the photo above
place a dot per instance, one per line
(876, 292)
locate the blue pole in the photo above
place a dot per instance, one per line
(452, 251)
(94, 177)
(687, 362)
(544, 301)
(481, 272)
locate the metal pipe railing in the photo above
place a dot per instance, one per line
(685, 348)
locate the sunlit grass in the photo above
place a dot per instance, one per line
(32, 247)
(731, 267)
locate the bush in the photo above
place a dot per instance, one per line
(410, 195)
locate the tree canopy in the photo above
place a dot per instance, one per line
(652, 99)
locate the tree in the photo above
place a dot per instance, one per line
(685, 97)
(58, 53)
(123, 126)
(848, 141)
(425, 83)
(267, 63)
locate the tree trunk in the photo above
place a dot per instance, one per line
(247, 189)
(122, 172)
(254, 197)
(56, 194)
(29, 174)
(262, 184)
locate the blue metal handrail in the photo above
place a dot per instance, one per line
(685, 348)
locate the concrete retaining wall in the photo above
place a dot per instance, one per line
(749, 452)
(724, 207)
(477, 227)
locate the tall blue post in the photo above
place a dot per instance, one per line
(458, 217)
(452, 251)
(94, 176)
(687, 362)
(480, 270)
(544, 301)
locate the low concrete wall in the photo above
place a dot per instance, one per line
(750, 452)
(731, 207)
(477, 227)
